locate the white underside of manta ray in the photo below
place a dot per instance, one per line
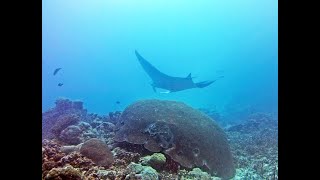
(170, 83)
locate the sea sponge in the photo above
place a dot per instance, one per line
(97, 151)
(188, 136)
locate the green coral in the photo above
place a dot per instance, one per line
(137, 171)
(196, 173)
(134, 168)
(156, 160)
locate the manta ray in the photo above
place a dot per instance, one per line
(169, 83)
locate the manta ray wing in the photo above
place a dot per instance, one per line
(153, 72)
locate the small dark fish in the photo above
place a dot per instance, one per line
(118, 102)
(60, 84)
(56, 71)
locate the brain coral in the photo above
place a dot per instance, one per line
(97, 151)
(187, 135)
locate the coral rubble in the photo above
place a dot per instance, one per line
(255, 146)
(67, 172)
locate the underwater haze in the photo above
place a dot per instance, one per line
(94, 43)
(109, 65)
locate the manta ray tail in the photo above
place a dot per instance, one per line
(203, 84)
(206, 83)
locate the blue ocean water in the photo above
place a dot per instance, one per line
(94, 43)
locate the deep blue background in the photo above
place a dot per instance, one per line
(94, 42)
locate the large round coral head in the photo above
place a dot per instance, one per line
(188, 136)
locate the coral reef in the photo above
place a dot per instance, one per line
(52, 157)
(195, 173)
(123, 157)
(255, 146)
(65, 105)
(114, 117)
(63, 122)
(253, 143)
(169, 127)
(69, 123)
(138, 171)
(97, 151)
(101, 130)
(156, 160)
(70, 149)
(52, 116)
(67, 172)
(70, 135)
(77, 160)
(106, 174)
